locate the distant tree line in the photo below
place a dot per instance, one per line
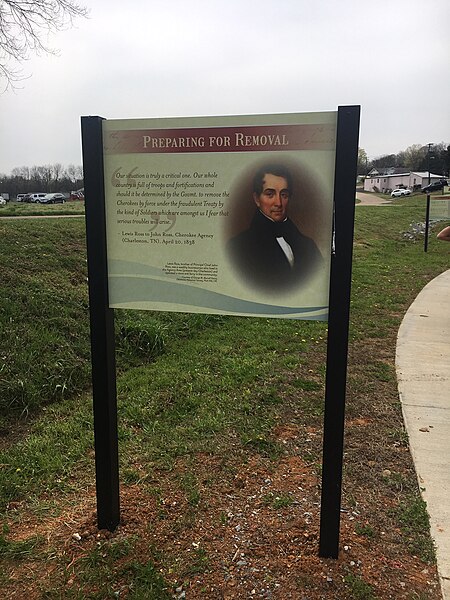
(46, 178)
(414, 158)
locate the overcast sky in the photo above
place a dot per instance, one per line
(148, 58)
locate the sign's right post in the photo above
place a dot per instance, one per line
(338, 328)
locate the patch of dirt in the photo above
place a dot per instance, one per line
(240, 525)
(252, 532)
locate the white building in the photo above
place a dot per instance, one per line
(386, 182)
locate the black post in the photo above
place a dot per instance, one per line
(427, 214)
(427, 224)
(338, 326)
(102, 329)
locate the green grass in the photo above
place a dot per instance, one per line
(193, 383)
(103, 568)
(43, 310)
(44, 461)
(365, 530)
(278, 501)
(24, 209)
(211, 373)
(198, 563)
(357, 588)
(19, 550)
(191, 489)
(415, 526)
(147, 583)
(44, 320)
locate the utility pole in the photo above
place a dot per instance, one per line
(427, 216)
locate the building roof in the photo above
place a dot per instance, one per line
(384, 171)
(373, 175)
(424, 174)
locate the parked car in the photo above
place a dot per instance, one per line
(52, 199)
(400, 192)
(2, 201)
(78, 195)
(435, 186)
(36, 197)
(20, 197)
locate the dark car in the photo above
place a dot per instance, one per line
(435, 186)
(53, 199)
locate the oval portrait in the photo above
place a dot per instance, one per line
(278, 230)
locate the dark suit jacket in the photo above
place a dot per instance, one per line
(260, 260)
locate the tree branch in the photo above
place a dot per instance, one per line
(24, 23)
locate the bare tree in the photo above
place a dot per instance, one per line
(35, 174)
(24, 24)
(414, 156)
(45, 175)
(58, 170)
(23, 172)
(362, 161)
(79, 173)
(71, 172)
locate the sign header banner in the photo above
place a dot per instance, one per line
(270, 138)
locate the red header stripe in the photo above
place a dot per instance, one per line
(271, 138)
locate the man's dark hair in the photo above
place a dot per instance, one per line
(272, 169)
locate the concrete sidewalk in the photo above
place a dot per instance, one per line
(371, 200)
(423, 373)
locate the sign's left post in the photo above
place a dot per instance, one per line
(102, 329)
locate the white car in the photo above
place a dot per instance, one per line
(35, 197)
(2, 201)
(400, 192)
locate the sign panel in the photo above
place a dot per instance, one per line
(222, 215)
(440, 208)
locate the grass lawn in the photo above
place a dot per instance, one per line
(27, 209)
(220, 436)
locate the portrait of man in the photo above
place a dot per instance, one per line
(272, 253)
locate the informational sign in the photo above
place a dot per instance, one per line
(440, 208)
(224, 215)
(229, 215)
